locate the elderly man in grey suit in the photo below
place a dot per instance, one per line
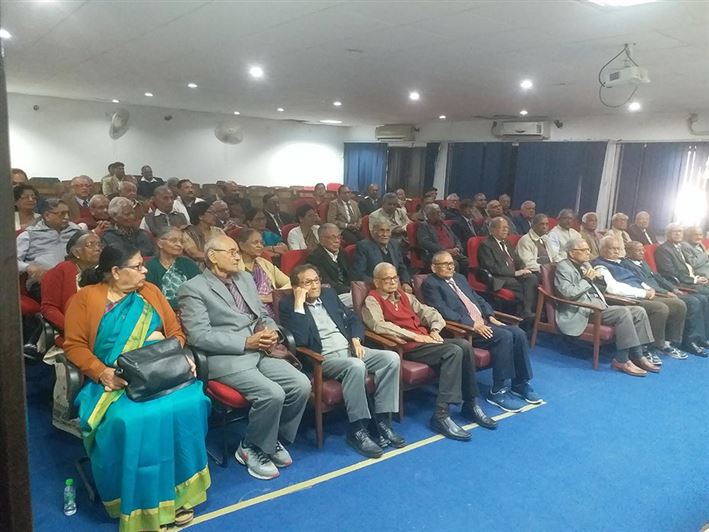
(222, 314)
(576, 280)
(694, 250)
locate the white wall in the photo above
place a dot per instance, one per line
(65, 138)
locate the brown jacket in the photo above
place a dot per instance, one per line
(84, 314)
(337, 214)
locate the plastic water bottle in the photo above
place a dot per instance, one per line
(69, 497)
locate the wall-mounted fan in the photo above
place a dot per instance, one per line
(119, 124)
(229, 132)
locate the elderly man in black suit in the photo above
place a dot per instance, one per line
(674, 266)
(380, 248)
(275, 218)
(464, 226)
(434, 235)
(499, 257)
(371, 201)
(332, 263)
(639, 231)
(523, 221)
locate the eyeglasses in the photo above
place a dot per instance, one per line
(173, 241)
(232, 252)
(310, 282)
(444, 264)
(136, 267)
(61, 214)
(393, 279)
(94, 245)
(585, 250)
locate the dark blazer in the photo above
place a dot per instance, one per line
(670, 264)
(638, 235)
(303, 326)
(427, 239)
(146, 188)
(462, 230)
(328, 269)
(492, 259)
(649, 277)
(368, 254)
(271, 223)
(438, 294)
(522, 224)
(136, 237)
(368, 205)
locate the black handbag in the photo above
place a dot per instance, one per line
(155, 370)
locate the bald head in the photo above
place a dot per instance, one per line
(222, 257)
(386, 279)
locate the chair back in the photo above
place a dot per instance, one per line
(473, 245)
(412, 204)
(364, 229)
(350, 250)
(705, 241)
(417, 282)
(287, 229)
(279, 294)
(291, 258)
(333, 187)
(297, 202)
(547, 273)
(417, 262)
(360, 289)
(513, 239)
(322, 210)
(650, 256)
(552, 222)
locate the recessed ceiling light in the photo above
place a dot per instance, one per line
(634, 106)
(523, 112)
(4, 34)
(192, 85)
(115, 101)
(620, 3)
(237, 113)
(280, 109)
(414, 96)
(331, 121)
(256, 72)
(337, 103)
(149, 94)
(442, 117)
(526, 84)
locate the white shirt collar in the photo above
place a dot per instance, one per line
(316, 303)
(333, 256)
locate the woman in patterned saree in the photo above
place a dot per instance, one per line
(149, 459)
(168, 270)
(266, 275)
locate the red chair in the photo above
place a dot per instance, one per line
(365, 227)
(480, 279)
(650, 255)
(333, 187)
(322, 210)
(287, 229)
(291, 258)
(297, 202)
(552, 222)
(415, 254)
(350, 250)
(596, 333)
(412, 205)
(705, 241)
(513, 239)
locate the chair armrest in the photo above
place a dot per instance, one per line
(74, 382)
(460, 326)
(49, 334)
(619, 300)
(201, 362)
(288, 339)
(384, 341)
(507, 318)
(566, 301)
(317, 358)
(456, 328)
(483, 276)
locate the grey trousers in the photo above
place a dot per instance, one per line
(278, 394)
(632, 329)
(352, 373)
(666, 319)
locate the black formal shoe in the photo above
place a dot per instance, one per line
(694, 348)
(361, 442)
(472, 411)
(449, 428)
(387, 433)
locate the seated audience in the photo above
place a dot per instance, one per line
(237, 213)
(202, 229)
(82, 187)
(344, 213)
(506, 202)
(18, 176)
(223, 315)
(672, 263)
(523, 221)
(332, 262)
(148, 182)
(185, 197)
(694, 250)
(435, 235)
(697, 321)
(169, 270)
(640, 230)
(401, 197)
(129, 190)
(98, 219)
(26, 197)
(267, 276)
(370, 202)
(305, 235)
(379, 248)
(42, 245)
(561, 234)
(221, 211)
(322, 323)
(125, 228)
(666, 316)
(479, 214)
(450, 294)
(228, 191)
(498, 256)
(533, 248)
(320, 195)
(420, 214)
(494, 210)
(452, 209)
(390, 311)
(163, 214)
(577, 280)
(589, 232)
(256, 219)
(149, 459)
(275, 218)
(464, 226)
(111, 182)
(619, 224)
(392, 213)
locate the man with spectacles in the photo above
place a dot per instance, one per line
(390, 311)
(577, 280)
(319, 321)
(222, 314)
(380, 248)
(450, 294)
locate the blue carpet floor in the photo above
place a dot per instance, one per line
(606, 452)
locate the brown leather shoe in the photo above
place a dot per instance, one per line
(628, 368)
(644, 363)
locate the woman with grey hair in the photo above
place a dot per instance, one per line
(125, 227)
(169, 270)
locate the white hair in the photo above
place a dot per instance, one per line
(381, 267)
(117, 205)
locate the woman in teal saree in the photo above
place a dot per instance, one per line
(148, 459)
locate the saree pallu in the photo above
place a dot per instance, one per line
(148, 459)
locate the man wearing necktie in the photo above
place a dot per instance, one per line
(639, 231)
(78, 201)
(498, 257)
(673, 265)
(450, 294)
(344, 213)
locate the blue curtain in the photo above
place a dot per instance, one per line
(365, 163)
(558, 175)
(649, 177)
(480, 167)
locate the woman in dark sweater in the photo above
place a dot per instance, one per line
(169, 269)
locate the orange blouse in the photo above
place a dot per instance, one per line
(84, 314)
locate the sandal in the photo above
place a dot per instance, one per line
(183, 516)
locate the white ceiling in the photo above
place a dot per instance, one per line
(466, 58)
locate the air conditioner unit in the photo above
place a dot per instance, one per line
(521, 130)
(395, 132)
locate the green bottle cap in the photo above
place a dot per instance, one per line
(69, 482)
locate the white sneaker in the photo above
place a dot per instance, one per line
(281, 457)
(258, 463)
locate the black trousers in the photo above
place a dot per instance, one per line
(457, 381)
(509, 352)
